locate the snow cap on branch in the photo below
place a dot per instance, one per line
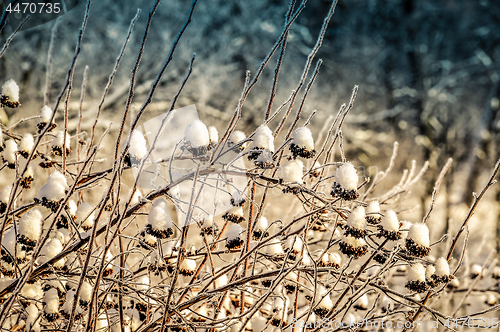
(197, 134)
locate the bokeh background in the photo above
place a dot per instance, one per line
(428, 75)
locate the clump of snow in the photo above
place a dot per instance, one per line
(419, 233)
(159, 220)
(51, 300)
(45, 114)
(417, 272)
(27, 143)
(442, 267)
(197, 134)
(136, 197)
(357, 218)
(373, 207)
(32, 322)
(362, 302)
(292, 171)
(137, 148)
(325, 305)
(101, 324)
(85, 293)
(263, 138)
(84, 217)
(9, 152)
(32, 292)
(5, 194)
(236, 137)
(234, 232)
(50, 250)
(429, 271)
(302, 137)
(335, 258)
(188, 266)
(54, 189)
(10, 89)
(390, 221)
(213, 134)
(347, 177)
(12, 247)
(274, 247)
(261, 224)
(30, 224)
(476, 270)
(60, 142)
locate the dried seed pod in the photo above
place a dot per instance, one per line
(234, 215)
(356, 223)
(234, 240)
(416, 278)
(353, 247)
(303, 143)
(26, 145)
(10, 94)
(373, 213)
(208, 226)
(235, 138)
(260, 229)
(198, 138)
(60, 144)
(30, 229)
(389, 226)
(346, 182)
(45, 115)
(51, 305)
(85, 216)
(417, 242)
(9, 154)
(137, 149)
(159, 221)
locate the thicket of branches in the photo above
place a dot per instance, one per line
(153, 260)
